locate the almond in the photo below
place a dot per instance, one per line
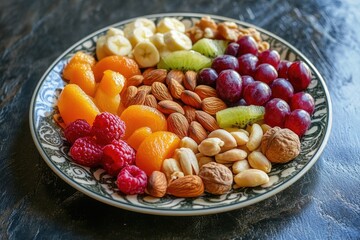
(178, 124)
(177, 75)
(128, 94)
(175, 88)
(168, 107)
(138, 99)
(206, 120)
(135, 80)
(157, 184)
(205, 91)
(150, 101)
(191, 98)
(187, 186)
(160, 91)
(197, 132)
(156, 75)
(146, 88)
(190, 80)
(212, 105)
(189, 113)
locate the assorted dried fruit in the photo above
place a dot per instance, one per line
(170, 110)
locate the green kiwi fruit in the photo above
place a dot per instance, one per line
(240, 116)
(210, 47)
(184, 60)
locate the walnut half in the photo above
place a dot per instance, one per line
(280, 145)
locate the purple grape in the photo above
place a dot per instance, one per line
(299, 75)
(276, 111)
(271, 57)
(246, 80)
(265, 73)
(302, 100)
(229, 86)
(247, 64)
(298, 121)
(224, 62)
(232, 49)
(283, 68)
(207, 76)
(257, 93)
(282, 88)
(247, 44)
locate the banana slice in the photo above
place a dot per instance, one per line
(114, 31)
(117, 45)
(158, 40)
(138, 35)
(140, 22)
(146, 54)
(100, 44)
(175, 40)
(168, 24)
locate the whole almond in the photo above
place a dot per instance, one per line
(128, 94)
(157, 184)
(160, 91)
(150, 101)
(175, 88)
(191, 98)
(206, 120)
(197, 132)
(190, 80)
(138, 99)
(177, 75)
(135, 80)
(146, 88)
(212, 105)
(189, 113)
(178, 124)
(147, 70)
(205, 91)
(156, 75)
(187, 186)
(168, 107)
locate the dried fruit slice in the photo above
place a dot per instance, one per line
(184, 60)
(210, 47)
(239, 116)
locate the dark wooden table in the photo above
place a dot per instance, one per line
(36, 204)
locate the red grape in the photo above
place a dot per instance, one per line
(247, 44)
(247, 64)
(232, 49)
(207, 76)
(298, 121)
(271, 57)
(302, 100)
(283, 68)
(246, 80)
(299, 75)
(265, 73)
(257, 93)
(229, 86)
(282, 88)
(276, 111)
(224, 62)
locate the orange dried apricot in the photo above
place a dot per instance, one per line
(124, 65)
(105, 102)
(78, 58)
(155, 149)
(138, 137)
(74, 103)
(82, 75)
(137, 116)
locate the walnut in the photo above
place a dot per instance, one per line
(280, 145)
(217, 178)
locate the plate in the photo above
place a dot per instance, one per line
(94, 182)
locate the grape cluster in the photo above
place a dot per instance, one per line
(245, 76)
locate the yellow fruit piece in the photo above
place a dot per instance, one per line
(105, 102)
(138, 137)
(112, 83)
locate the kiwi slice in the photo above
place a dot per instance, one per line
(184, 60)
(239, 116)
(210, 47)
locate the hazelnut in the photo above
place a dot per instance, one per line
(280, 145)
(216, 177)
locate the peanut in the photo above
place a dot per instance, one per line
(240, 166)
(211, 146)
(231, 156)
(259, 161)
(256, 134)
(251, 178)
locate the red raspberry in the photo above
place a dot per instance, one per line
(132, 180)
(86, 151)
(77, 129)
(117, 155)
(108, 127)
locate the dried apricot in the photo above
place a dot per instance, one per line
(138, 137)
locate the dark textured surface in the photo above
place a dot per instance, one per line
(36, 204)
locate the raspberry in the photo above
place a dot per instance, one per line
(86, 151)
(77, 129)
(108, 127)
(117, 155)
(132, 180)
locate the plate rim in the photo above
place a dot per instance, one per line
(181, 212)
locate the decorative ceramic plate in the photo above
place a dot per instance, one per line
(94, 182)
